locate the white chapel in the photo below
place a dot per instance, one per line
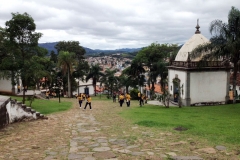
(197, 85)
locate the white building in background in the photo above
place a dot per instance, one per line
(207, 84)
(6, 86)
(84, 87)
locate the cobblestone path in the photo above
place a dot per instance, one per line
(95, 135)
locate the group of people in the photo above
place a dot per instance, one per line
(82, 97)
(142, 98)
(122, 98)
(50, 94)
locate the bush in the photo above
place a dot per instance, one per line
(134, 94)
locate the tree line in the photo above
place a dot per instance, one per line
(22, 58)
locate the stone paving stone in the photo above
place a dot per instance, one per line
(186, 158)
(102, 140)
(89, 158)
(104, 155)
(49, 158)
(133, 146)
(137, 153)
(104, 144)
(220, 148)
(94, 145)
(100, 149)
(75, 156)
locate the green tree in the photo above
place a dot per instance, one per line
(67, 61)
(71, 46)
(23, 41)
(53, 56)
(94, 73)
(110, 80)
(136, 72)
(81, 71)
(8, 62)
(224, 44)
(154, 58)
(127, 80)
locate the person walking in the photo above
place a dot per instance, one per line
(128, 98)
(139, 97)
(121, 99)
(88, 102)
(141, 100)
(83, 96)
(80, 99)
(18, 87)
(114, 97)
(47, 94)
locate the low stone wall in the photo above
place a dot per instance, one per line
(20, 112)
(14, 111)
(4, 119)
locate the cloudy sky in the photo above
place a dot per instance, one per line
(114, 24)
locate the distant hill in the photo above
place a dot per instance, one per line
(50, 47)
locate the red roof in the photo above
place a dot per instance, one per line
(157, 88)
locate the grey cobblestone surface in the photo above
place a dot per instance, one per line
(77, 135)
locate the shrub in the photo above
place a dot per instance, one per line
(134, 94)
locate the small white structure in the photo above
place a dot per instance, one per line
(6, 86)
(84, 87)
(197, 85)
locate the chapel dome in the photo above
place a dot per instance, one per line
(191, 44)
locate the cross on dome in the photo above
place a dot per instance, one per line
(197, 27)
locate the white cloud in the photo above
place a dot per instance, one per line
(112, 24)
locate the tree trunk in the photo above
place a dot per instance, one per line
(95, 89)
(127, 89)
(69, 84)
(153, 88)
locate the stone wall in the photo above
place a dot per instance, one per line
(4, 120)
(14, 111)
(20, 112)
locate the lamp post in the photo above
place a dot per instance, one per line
(58, 87)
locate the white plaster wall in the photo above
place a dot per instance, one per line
(83, 85)
(81, 90)
(15, 112)
(5, 85)
(183, 78)
(208, 86)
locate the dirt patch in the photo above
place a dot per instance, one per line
(180, 128)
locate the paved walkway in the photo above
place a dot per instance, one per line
(78, 135)
(30, 92)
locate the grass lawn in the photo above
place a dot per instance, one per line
(217, 124)
(47, 106)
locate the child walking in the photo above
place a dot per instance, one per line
(80, 99)
(128, 98)
(88, 102)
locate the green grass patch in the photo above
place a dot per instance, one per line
(101, 97)
(47, 106)
(218, 124)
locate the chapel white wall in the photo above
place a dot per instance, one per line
(208, 86)
(183, 79)
(5, 85)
